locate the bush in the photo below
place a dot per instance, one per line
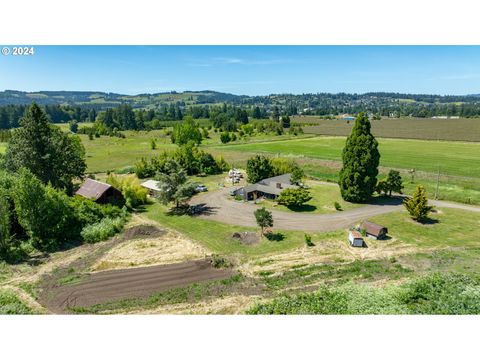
(102, 230)
(219, 261)
(134, 193)
(225, 137)
(308, 240)
(294, 197)
(338, 207)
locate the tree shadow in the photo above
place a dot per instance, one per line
(271, 236)
(302, 208)
(386, 200)
(202, 209)
(428, 221)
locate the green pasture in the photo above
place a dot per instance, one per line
(453, 158)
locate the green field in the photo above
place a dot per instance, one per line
(110, 153)
(453, 158)
(406, 128)
(3, 146)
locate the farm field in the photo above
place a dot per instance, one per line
(112, 153)
(464, 129)
(453, 158)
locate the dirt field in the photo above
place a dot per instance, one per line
(147, 248)
(120, 284)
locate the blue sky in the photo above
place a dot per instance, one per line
(249, 70)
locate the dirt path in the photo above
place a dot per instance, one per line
(218, 206)
(107, 286)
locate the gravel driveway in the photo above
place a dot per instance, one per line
(219, 206)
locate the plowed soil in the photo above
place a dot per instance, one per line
(112, 285)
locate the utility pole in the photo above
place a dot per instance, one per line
(438, 181)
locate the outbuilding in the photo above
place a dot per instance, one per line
(374, 231)
(355, 238)
(100, 192)
(152, 187)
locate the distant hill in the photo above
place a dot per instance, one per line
(100, 100)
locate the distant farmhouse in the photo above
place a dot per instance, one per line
(100, 192)
(269, 188)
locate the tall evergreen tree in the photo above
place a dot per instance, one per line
(49, 153)
(358, 176)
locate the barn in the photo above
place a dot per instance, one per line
(355, 238)
(374, 231)
(100, 192)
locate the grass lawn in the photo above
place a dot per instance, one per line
(323, 198)
(216, 236)
(454, 158)
(449, 228)
(3, 146)
(113, 153)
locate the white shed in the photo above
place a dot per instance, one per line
(355, 238)
(152, 187)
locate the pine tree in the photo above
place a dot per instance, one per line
(417, 206)
(358, 176)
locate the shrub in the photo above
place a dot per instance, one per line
(102, 230)
(338, 207)
(417, 206)
(294, 197)
(134, 193)
(308, 240)
(219, 261)
(225, 137)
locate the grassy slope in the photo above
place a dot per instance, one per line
(454, 158)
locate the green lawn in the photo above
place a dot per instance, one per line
(112, 153)
(454, 158)
(3, 146)
(216, 236)
(323, 198)
(455, 228)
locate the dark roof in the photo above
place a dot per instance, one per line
(93, 189)
(263, 188)
(374, 229)
(282, 179)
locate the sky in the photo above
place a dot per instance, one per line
(246, 70)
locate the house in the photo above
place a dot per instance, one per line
(355, 238)
(151, 186)
(100, 192)
(374, 231)
(269, 188)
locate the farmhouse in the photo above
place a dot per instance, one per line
(151, 186)
(374, 230)
(355, 238)
(100, 192)
(269, 188)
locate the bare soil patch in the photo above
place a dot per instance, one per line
(246, 237)
(143, 231)
(113, 285)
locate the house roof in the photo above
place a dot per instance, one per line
(263, 188)
(151, 184)
(93, 189)
(373, 229)
(282, 179)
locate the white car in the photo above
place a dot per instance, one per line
(201, 188)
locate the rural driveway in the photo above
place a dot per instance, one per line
(218, 205)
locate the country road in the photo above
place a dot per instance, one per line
(217, 205)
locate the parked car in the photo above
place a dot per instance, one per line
(232, 192)
(201, 188)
